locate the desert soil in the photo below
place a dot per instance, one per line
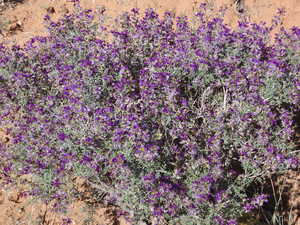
(25, 20)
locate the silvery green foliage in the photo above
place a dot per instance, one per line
(171, 124)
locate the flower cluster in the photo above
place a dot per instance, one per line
(171, 123)
(256, 202)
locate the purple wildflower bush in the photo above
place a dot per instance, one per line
(172, 124)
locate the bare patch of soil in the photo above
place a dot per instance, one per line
(17, 208)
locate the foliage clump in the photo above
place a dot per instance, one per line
(172, 124)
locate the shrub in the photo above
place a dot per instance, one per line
(176, 124)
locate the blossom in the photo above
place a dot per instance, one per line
(62, 136)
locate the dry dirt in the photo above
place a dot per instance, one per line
(18, 24)
(26, 20)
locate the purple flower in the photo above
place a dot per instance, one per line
(135, 10)
(85, 62)
(62, 136)
(158, 211)
(46, 17)
(56, 182)
(67, 221)
(271, 149)
(86, 158)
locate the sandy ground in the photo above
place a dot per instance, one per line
(26, 20)
(19, 24)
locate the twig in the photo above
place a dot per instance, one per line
(107, 189)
